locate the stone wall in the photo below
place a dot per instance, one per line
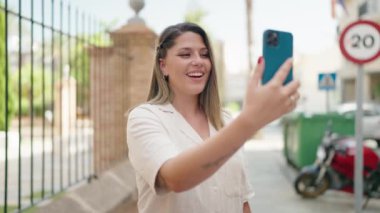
(120, 79)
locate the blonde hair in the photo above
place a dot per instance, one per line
(160, 92)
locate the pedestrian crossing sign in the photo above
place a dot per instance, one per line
(326, 81)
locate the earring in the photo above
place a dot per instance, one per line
(166, 77)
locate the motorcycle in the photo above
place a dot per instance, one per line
(334, 168)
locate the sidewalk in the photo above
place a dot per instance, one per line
(272, 180)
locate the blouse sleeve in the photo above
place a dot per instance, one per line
(149, 144)
(248, 192)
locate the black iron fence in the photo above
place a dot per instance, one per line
(46, 134)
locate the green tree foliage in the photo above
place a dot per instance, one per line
(26, 89)
(79, 69)
(2, 78)
(195, 16)
(2, 70)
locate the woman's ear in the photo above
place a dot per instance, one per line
(163, 67)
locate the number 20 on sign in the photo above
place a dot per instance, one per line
(360, 41)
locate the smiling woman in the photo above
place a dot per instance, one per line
(187, 64)
(186, 150)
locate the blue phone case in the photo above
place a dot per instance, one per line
(277, 47)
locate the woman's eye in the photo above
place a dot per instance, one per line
(205, 55)
(184, 55)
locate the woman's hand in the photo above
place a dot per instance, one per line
(265, 103)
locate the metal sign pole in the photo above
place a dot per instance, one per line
(358, 182)
(327, 101)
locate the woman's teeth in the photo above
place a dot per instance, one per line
(195, 74)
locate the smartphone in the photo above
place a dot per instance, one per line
(277, 47)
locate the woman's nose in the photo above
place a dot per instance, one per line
(197, 60)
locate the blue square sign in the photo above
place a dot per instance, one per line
(327, 81)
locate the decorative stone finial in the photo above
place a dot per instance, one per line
(136, 5)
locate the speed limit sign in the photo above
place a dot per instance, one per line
(360, 41)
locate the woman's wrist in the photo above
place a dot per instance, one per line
(247, 123)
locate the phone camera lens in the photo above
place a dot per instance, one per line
(272, 38)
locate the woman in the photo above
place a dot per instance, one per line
(185, 149)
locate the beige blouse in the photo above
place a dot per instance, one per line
(156, 133)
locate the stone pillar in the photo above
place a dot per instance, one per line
(136, 43)
(120, 79)
(64, 107)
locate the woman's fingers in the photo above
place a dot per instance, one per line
(257, 75)
(283, 71)
(292, 100)
(290, 90)
(291, 95)
(292, 87)
(295, 97)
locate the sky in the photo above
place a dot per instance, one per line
(309, 20)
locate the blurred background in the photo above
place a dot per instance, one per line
(70, 70)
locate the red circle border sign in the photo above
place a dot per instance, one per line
(343, 49)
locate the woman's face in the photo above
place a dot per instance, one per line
(187, 64)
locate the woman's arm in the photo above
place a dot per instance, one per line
(263, 104)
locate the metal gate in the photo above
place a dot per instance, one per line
(46, 134)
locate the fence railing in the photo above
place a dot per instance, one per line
(46, 132)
